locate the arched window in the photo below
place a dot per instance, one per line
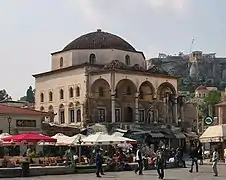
(127, 59)
(50, 109)
(61, 62)
(42, 97)
(101, 92)
(71, 113)
(50, 96)
(128, 90)
(78, 114)
(61, 114)
(61, 94)
(71, 92)
(92, 58)
(77, 91)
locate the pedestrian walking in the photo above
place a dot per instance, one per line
(194, 159)
(160, 164)
(98, 163)
(215, 158)
(102, 161)
(139, 160)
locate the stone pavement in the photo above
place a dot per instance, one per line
(171, 174)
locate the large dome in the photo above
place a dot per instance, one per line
(99, 40)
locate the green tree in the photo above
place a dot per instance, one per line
(30, 95)
(4, 95)
(212, 98)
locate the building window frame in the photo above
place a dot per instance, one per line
(77, 91)
(71, 92)
(101, 114)
(42, 97)
(92, 58)
(127, 60)
(61, 62)
(61, 94)
(50, 96)
(118, 115)
(78, 115)
(62, 116)
(141, 115)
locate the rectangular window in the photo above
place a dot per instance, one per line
(101, 115)
(62, 118)
(141, 115)
(117, 115)
(72, 115)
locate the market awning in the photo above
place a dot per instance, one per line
(214, 134)
(168, 133)
(179, 135)
(156, 134)
(191, 135)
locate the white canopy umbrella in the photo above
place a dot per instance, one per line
(3, 135)
(118, 134)
(214, 134)
(76, 139)
(125, 139)
(62, 140)
(101, 139)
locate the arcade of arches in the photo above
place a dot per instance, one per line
(129, 102)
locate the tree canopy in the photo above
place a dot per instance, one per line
(213, 98)
(30, 95)
(4, 95)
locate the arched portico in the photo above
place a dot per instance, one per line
(164, 89)
(125, 92)
(146, 100)
(146, 91)
(166, 95)
(100, 96)
(100, 89)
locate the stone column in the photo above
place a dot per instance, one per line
(175, 113)
(113, 108)
(137, 107)
(66, 114)
(82, 115)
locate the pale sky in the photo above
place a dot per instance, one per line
(32, 29)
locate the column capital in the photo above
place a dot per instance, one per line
(137, 94)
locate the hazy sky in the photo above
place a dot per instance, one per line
(31, 29)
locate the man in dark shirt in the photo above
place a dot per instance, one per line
(139, 160)
(98, 163)
(194, 158)
(160, 164)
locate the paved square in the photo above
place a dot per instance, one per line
(171, 174)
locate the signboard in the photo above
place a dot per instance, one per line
(208, 120)
(26, 123)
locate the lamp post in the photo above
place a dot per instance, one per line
(9, 122)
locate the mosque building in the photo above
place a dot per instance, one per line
(101, 78)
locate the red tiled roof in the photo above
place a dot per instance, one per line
(201, 88)
(19, 111)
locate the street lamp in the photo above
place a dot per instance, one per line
(9, 122)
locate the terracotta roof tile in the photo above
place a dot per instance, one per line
(19, 111)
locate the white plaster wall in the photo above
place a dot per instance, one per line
(103, 56)
(67, 60)
(55, 82)
(5, 125)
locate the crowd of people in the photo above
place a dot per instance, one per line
(159, 159)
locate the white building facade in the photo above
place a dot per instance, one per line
(99, 77)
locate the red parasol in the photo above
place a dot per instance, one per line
(29, 138)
